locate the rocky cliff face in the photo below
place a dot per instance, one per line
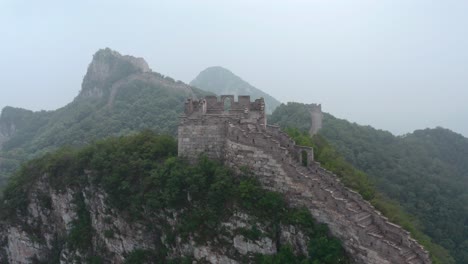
(120, 95)
(130, 200)
(45, 232)
(6, 130)
(106, 68)
(109, 71)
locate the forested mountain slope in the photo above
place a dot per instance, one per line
(425, 171)
(132, 200)
(221, 81)
(119, 95)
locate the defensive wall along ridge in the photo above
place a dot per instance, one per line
(236, 132)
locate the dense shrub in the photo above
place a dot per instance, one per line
(145, 180)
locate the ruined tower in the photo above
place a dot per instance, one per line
(316, 117)
(236, 133)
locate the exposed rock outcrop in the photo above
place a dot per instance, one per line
(109, 71)
(42, 232)
(3, 138)
(137, 97)
(107, 67)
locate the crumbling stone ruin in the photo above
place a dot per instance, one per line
(237, 134)
(316, 117)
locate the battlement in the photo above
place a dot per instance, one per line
(239, 136)
(315, 107)
(203, 125)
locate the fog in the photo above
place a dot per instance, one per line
(397, 65)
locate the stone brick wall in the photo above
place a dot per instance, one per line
(277, 162)
(197, 139)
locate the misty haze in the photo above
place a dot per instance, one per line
(234, 132)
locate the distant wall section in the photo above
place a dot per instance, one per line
(316, 117)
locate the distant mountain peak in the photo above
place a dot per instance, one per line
(220, 80)
(107, 67)
(219, 69)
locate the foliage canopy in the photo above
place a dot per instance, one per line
(144, 179)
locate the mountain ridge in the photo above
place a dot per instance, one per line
(108, 66)
(425, 171)
(142, 100)
(119, 95)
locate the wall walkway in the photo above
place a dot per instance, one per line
(367, 235)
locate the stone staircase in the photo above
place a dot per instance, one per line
(366, 234)
(363, 219)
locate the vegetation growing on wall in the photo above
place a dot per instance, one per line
(143, 178)
(425, 172)
(359, 181)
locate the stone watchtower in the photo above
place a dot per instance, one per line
(205, 123)
(208, 126)
(316, 117)
(237, 134)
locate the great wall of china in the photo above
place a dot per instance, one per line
(237, 134)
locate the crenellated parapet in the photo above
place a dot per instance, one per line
(242, 139)
(226, 106)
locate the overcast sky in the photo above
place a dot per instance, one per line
(397, 65)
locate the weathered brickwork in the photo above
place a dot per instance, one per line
(240, 137)
(197, 139)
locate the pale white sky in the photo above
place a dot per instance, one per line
(397, 65)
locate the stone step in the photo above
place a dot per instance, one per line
(373, 229)
(329, 191)
(416, 261)
(331, 188)
(411, 257)
(302, 169)
(406, 252)
(359, 215)
(353, 206)
(338, 194)
(365, 220)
